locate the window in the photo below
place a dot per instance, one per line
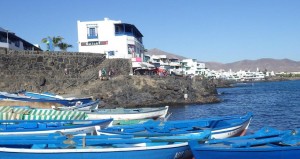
(92, 32)
(111, 53)
(17, 43)
(131, 49)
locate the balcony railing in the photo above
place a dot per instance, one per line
(95, 36)
(139, 39)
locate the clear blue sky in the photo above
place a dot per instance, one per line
(208, 30)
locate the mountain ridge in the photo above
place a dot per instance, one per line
(269, 64)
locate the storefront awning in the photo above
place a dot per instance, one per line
(142, 65)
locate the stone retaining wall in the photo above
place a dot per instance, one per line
(49, 71)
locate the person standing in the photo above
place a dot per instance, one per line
(100, 74)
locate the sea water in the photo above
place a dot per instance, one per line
(275, 104)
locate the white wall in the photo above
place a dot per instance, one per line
(3, 45)
(106, 33)
(12, 45)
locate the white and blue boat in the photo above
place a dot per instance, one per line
(129, 113)
(220, 127)
(45, 127)
(100, 147)
(43, 97)
(267, 143)
(93, 105)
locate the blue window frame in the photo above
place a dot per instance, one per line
(92, 33)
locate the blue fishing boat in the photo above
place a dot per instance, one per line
(267, 143)
(45, 127)
(40, 97)
(220, 127)
(100, 147)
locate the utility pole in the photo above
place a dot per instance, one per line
(7, 39)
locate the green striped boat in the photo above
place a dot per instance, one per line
(25, 113)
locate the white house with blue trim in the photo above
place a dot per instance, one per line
(110, 37)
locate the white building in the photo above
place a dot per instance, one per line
(110, 37)
(189, 66)
(201, 69)
(175, 65)
(11, 41)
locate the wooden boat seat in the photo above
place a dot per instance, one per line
(138, 129)
(38, 146)
(42, 125)
(22, 125)
(2, 127)
(53, 124)
(252, 142)
(213, 123)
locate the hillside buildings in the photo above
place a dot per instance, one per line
(175, 66)
(241, 75)
(10, 40)
(122, 40)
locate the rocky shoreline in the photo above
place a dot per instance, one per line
(77, 74)
(138, 91)
(69, 73)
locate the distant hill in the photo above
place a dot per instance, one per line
(160, 52)
(276, 65)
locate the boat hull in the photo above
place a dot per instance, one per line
(261, 153)
(173, 151)
(78, 127)
(267, 143)
(142, 113)
(238, 127)
(41, 98)
(237, 130)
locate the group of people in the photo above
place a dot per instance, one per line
(105, 75)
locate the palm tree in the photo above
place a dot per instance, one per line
(64, 46)
(47, 42)
(57, 40)
(52, 42)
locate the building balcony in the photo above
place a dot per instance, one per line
(174, 64)
(164, 63)
(92, 36)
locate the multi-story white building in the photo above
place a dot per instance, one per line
(110, 37)
(201, 69)
(189, 66)
(175, 66)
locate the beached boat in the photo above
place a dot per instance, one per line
(43, 97)
(79, 106)
(131, 122)
(220, 127)
(128, 113)
(121, 115)
(45, 127)
(27, 113)
(100, 147)
(266, 143)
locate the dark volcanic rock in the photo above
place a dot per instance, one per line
(76, 74)
(134, 91)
